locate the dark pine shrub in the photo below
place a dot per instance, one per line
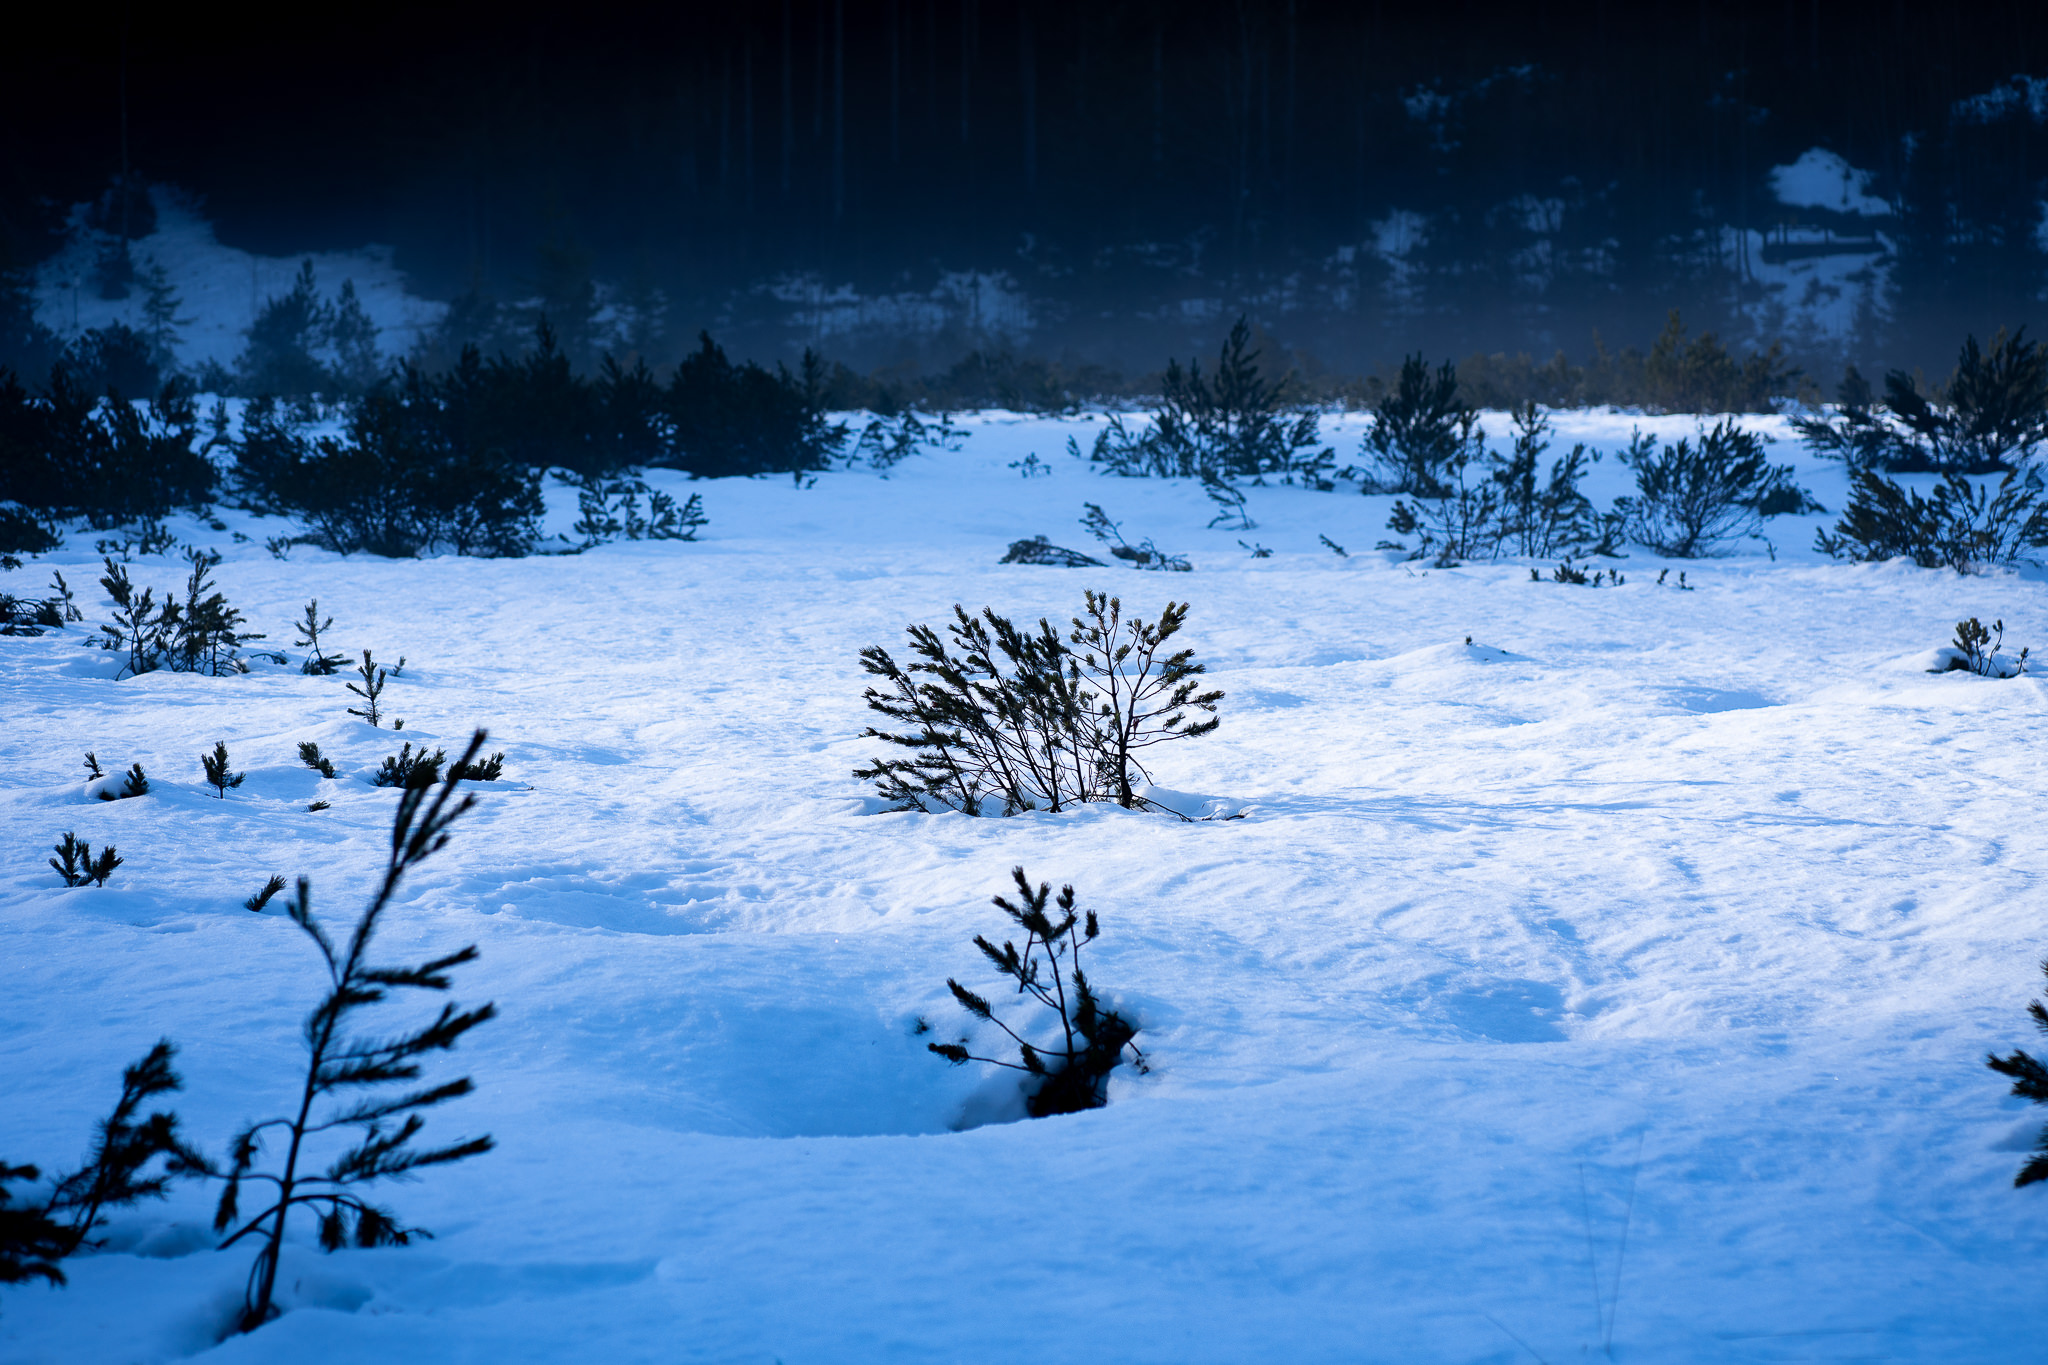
(726, 419)
(2029, 1082)
(1419, 432)
(1486, 507)
(66, 453)
(1230, 424)
(1068, 1070)
(1961, 524)
(1012, 719)
(1989, 417)
(1692, 498)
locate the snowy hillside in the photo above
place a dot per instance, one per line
(220, 288)
(1594, 973)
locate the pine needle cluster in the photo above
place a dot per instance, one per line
(1070, 1073)
(1001, 719)
(2029, 1082)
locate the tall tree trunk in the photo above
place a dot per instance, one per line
(1027, 76)
(838, 110)
(788, 97)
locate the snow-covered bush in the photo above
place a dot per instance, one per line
(1233, 424)
(1023, 719)
(1976, 649)
(410, 770)
(29, 615)
(342, 1063)
(1070, 1072)
(201, 634)
(1485, 507)
(1690, 499)
(1960, 524)
(1990, 416)
(1039, 550)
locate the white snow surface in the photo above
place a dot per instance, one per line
(1821, 179)
(1618, 983)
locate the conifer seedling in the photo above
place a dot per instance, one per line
(2029, 1082)
(1072, 1071)
(92, 766)
(351, 1072)
(217, 775)
(310, 755)
(77, 865)
(137, 783)
(319, 663)
(371, 689)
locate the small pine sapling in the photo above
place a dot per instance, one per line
(343, 1063)
(68, 605)
(1072, 1073)
(2029, 1082)
(262, 898)
(1141, 699)
(1039, 550)
(371, 689)
(217, 775)
(1976, 650)
(77, 865)
(118, 1170)
(136, 783)
(319, 663)
(92, 766)
(310, 755)
(413, 770)
(1334, 547)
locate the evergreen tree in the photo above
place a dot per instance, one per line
(343, 1062)
(132, 1158)
(280, 358)
(352, 337)
(216, 765)
(319, 663)
(160, 320)
(1071, 1073)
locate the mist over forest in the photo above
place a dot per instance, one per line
(896, 183)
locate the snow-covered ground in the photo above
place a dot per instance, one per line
(1620, 979)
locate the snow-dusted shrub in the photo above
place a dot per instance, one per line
(201, 634)
(132, 1158)
(1976, 649)
(29, 615)
(1486, 506)
(2029, 1082)
(1959, 525)
(217, 774)
(310, 755)
(1420, 429)
(1069, 1072)
(1990, 416)
(1023, 719)
(341, 1063)
(609, 508)
(410, 770)
(134, 782)
(79, 866)
(1233, 424)
(1143, 555)
(1691, 498)
(887, 441)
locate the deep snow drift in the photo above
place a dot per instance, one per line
(1623, 976)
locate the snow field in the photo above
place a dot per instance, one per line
(1623, 976)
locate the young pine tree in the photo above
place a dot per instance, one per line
(319, 663)
(1073, 1070)
(349, 1075)
(216, 765)
(1141, 699)
(2029, 1082)
(77, 865)
(371, 689)
(132, 1158)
